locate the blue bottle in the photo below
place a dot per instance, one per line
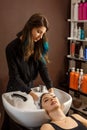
(82, 36)
(85, 52)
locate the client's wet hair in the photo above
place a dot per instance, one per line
(40, 103)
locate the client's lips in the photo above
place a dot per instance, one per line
(53, 102)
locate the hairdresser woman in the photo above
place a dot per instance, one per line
(27, 55)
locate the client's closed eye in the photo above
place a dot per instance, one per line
(46, 100)
(54, 96)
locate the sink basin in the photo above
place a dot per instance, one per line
(29, 115)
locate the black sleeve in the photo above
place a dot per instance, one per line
(14, 76)
(45, 75)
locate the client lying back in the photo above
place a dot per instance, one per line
(59, 121)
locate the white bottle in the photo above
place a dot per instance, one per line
(79, 33)
(77, 70)
(73, 69)
(75, 31)
(80, 78)
(75, 11)
(81, 52)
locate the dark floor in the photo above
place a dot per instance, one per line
(9, 124)
(1, 113)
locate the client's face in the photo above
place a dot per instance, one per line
(50, 102)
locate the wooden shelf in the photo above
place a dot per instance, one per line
(76, 39)
(84, 94)
(77, 21)
(79, 110)
(76, 59)
(83, 97)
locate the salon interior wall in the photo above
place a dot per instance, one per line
(13, 16)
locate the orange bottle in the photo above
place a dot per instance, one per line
(72, 49)
(76, 79)
(84, 84)
(72, 74)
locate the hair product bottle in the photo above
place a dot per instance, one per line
(81, 52)
(82, 36)
(85, 52)
(72, 74)
(84, 84)
(80, 79)
(75, 31)
(72, 49)
(79, 32)
(85, 10)
(75, 11)
(76, 81)
(80, 10)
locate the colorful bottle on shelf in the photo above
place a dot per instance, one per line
(85, 52)
(76, 79)
(72, 49)
(81, 53)
(75, 31)
(84, 84)
(79, 32)
(80, 10)
(72, 74)
(80, 79)
(85, 10)
(82, 37)
(75, 11)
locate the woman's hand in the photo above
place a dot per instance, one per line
(34, 95)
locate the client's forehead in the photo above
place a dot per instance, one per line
(47, 95)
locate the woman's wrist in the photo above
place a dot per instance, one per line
(34, 95)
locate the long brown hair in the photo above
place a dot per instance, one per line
(29, 47)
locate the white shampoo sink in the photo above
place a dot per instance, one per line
(26, 113)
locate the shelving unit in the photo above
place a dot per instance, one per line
(79, 110)
(74, 59)
(77, 21)
(83, 108)
(77, 91)
(75, 39)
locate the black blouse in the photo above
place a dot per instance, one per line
(80, 126)
(22, 73)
